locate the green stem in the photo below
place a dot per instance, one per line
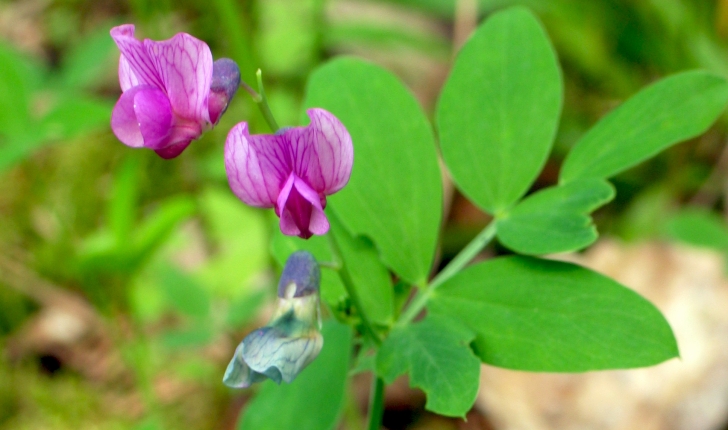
(455, 265)
(351, 290)
(376, 404)
(262, 102)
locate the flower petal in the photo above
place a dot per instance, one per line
(256, 166)
(142, 117)
(323, 152)
(127, 78)
(238, 374)
(224, 85)
(139, 62)
(184, 64)
(300, 209)
(271, 352)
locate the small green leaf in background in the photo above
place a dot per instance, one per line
(282, 246)
(394, 196)
(555, 219)
(314, 400)
(549, 316)
(240, 236)
(244, 308)
(699, 227)
(184, 293)
(370, 278)
(499, 109)
(74, 115)
(157, 227)
(436, 354)
(674, 109)
(88, 62)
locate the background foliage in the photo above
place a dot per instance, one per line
(158, 267)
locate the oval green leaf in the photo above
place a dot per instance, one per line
(549, 316)
(555, 219)
(394, 195)
(674, 109)
(499, 110)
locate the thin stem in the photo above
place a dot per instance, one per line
(263, 103)
(376, 404)
(351, 290)
(455, 265)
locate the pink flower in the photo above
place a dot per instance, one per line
(292, 171)
(171, 91)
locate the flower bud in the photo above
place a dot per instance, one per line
(224, 85)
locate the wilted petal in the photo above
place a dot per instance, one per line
(225, 83)
(256, 166)
(184, 64)
(139, 62)
(279, 356)
(323, 152)
(299, 207)
(238, 374)
(142, 117)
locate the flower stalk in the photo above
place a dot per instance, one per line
(456, 264)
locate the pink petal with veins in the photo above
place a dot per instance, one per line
(184, 65)
(322, 152)
(142, 117)
(299, 207)
(254, 172)
(140, 63)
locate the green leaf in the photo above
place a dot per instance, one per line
(555, 219)
(672, 110)
(370, 278)
(395, 192)
(157, 228)
(499, 109)
(549, 316)
(243, 309)
(241, 238)
(438, 358)
(19, 79)
(332, 290)
(184, 293)
(86, 63)
(313, 401)
(75, 115)
(699, 227)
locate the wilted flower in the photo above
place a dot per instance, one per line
(292, 171)
(283, 348)
(172, 92)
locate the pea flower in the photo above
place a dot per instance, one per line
(292, 171)
(172, 92)
(283, 348)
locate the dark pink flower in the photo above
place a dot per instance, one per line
(171, 91)
(292, 171)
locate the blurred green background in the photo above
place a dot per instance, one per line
(127, 280)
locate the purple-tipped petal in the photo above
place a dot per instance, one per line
(140, 63)
(323, 152)
(184, 64)
(225, 83)
(256, 166)
(142, 117)
(299, 207)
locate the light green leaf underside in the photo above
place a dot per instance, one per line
(555, 219)
(674, 109)
(395, 193)
(547, 316)
(499, 109)
(436, 355)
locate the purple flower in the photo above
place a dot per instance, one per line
(171, 91)
(292, 171)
